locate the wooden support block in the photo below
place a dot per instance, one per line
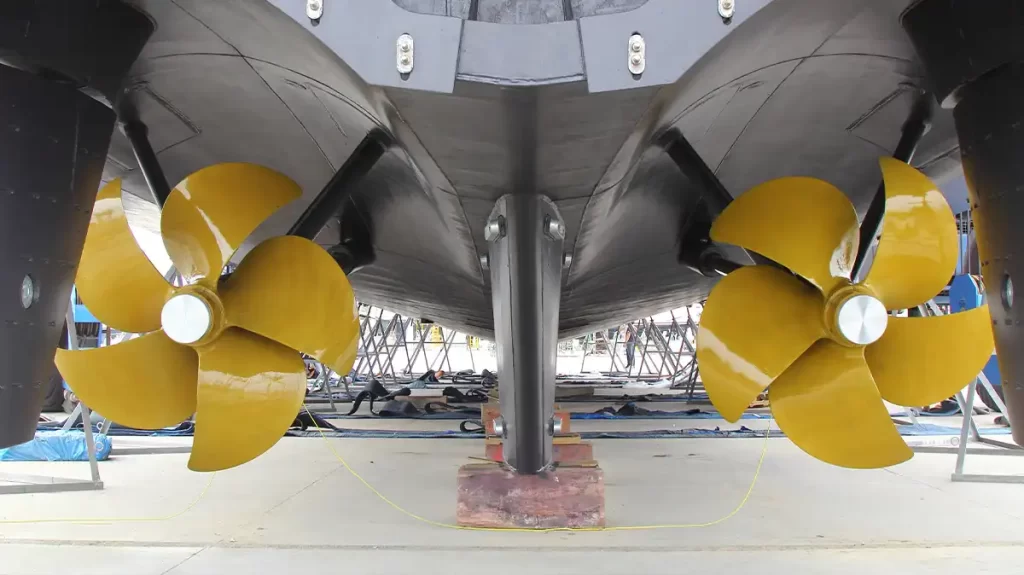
(565, 417)
(490, 411)
(561, 438)
(566, 438)
(491, 495)
(572, 452)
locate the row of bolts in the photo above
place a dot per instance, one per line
(404, 64)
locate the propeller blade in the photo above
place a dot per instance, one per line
(147, 383)
(756, 322)
(211, 212)
(250, 390)
(805, 224)
(923, 360)
(827, 403)
(918, 249)
(115, 279)
(290, 290)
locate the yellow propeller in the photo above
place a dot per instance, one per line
(228, 350)
(828, 346)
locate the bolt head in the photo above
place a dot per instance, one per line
(554, 228)
(28, 292)
(405, 60)
(636, 59)
(499, 427)
(636, 45)
(485, 261)
(404, 45)
(495, 229)
(555, 425)
(314, 9)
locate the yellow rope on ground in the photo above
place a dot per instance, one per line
(119, 519)
(420, 518)
(404, 511)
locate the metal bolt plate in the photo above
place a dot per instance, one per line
(636, 52)
(567, 260)
(555, 425)
(485, 261)
(495, 229)
(555, 229)
(404, 54)
(726, 8)
(1007, 292)
(314, 9)
(28, 292)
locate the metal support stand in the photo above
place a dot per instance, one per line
(969, 433)
(961, 456)
(369, 328)
(969, 429)
(917, 125)
(525, 234)
(381, 339)
(138, 136)
(423, 333)
(329, 201)
(446, 344)
(44, 484)
(326, 372)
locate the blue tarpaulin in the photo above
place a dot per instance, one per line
(57, 446)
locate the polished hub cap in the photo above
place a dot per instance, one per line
(861, 319)
(186, 318)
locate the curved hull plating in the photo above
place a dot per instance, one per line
(787, 87)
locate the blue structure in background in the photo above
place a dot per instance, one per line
(966, 293)
(81, 313)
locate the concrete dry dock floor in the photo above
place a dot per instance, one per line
(297, 510)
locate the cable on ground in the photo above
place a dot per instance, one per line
(441, 524)
(420, 518)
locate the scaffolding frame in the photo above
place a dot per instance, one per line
(654, 342)
(384, 340)
(396, 348)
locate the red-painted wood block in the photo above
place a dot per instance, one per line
(564, 416)
(488, 413)
(491, 495)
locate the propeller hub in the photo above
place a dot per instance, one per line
(186, 318)
(861, 319)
